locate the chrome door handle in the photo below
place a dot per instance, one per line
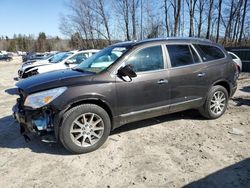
(162, 81)
(201, 74)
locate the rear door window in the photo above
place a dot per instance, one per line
(182, 55)
(209, 53)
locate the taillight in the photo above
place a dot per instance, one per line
(237, 72)
(236, 66)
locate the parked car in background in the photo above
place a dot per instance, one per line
(26, 66)
(33, 56)
(31, 63)
(59, 61)
(237, 60)
(3, 52)
(20, 53)
(5, 57)
(38, 61)
(123, 83)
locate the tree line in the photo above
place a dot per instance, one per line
(31, 44)
(46, 44)
(98, 23)
(226, 22)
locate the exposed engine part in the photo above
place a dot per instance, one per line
(43, 122)
(28, 74)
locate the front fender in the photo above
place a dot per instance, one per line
(104, 91)
(62, 104)
(93, 99)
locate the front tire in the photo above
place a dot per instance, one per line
(216, 103)
(84, 128)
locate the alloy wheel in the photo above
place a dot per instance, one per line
(218, 103)
(87, 129)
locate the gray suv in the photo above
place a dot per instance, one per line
(123, 83)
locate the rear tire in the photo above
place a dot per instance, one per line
(84, 128)
(216, 103)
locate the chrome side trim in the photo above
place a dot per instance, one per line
(159, 108)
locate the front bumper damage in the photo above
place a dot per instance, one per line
(20, 74)
(40, 122)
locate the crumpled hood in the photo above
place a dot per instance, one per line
(31, 64)
(53, 79)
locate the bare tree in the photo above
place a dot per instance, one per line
(102, 13)
(200, 7)
(191, 6)
(166, 10)
(141, 15)
(229, 23)
(211, 3)
(237, 20)
(243, 21)
(183, 18)
(218, 21)
(122, 8)
(80, 21)
(89, 19)
(134, 6)
(176, 5)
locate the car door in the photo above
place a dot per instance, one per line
(146, 95)
(187, 77)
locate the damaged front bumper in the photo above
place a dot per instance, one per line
(40, 122)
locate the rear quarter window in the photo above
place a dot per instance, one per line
(209, 53)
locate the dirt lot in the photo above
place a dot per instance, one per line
(181, 149)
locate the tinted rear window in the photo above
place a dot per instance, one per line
(182, 55)
(209, 53)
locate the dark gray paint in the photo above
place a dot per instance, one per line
(150, 94)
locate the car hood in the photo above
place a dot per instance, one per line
(31, 64)
(53, 79)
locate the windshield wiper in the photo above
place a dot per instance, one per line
(78, 69)
(81, 70)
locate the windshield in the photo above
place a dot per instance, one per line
(48, 56)
(59, 57)
(102, 60)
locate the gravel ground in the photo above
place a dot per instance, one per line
(176, 150)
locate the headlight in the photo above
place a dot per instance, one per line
(40, 99)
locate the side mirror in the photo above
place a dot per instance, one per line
(68, 62)
(127, 70)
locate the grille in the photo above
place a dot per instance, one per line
(22, 97)
(20, 73)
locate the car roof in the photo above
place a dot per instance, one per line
(193, 40)
(86, 51)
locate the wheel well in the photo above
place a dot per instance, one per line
(97, 102)
(225, 85)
